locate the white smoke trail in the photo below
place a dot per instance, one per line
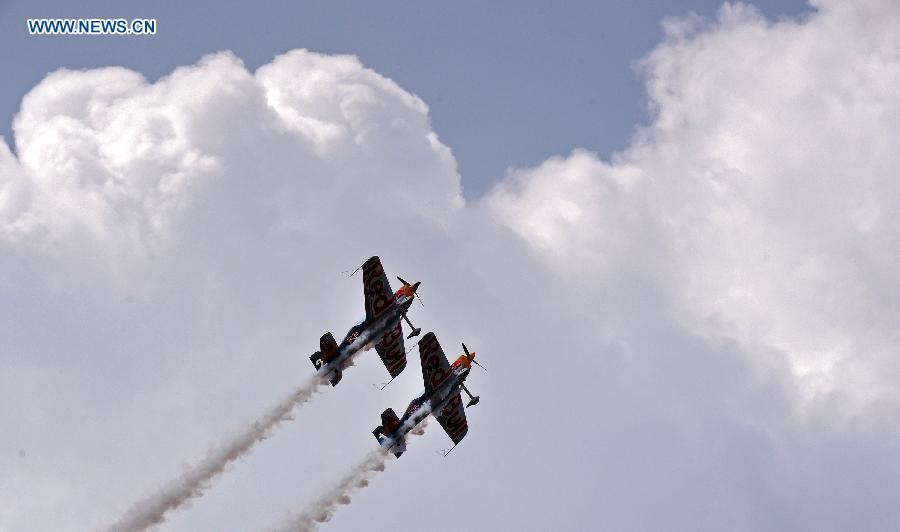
(324, 508)
(192, 483)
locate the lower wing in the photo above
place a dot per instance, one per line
(391, 350)
(453, 418)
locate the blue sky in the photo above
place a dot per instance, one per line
(508, 83)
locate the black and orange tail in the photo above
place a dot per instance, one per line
(328, 346)
(327, 349)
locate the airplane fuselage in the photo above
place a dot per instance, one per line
(366, 334)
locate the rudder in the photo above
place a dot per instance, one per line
(389, 421)
(327, 346)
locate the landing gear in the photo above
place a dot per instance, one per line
(415, 330)
(472, 400)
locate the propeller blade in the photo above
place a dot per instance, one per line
(466, 350)
(479, 365)
(415, 288)
(402, 281)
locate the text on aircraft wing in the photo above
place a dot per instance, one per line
(435, 368)
(376, 287)
(453, 418)
(392, 351)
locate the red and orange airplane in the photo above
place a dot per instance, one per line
(443, 386)
(381, 328)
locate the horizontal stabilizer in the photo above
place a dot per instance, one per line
(316, 359)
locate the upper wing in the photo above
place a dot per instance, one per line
(453, 418)
(376, 287)
(392, 352)
(435, 368)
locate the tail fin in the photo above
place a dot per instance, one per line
(318, 362)
(397, 447)
(389, 421)
(328, 346)
(389, 424)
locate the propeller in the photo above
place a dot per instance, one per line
(415, 287)
(471, 356)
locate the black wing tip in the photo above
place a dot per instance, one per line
(429, 336)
